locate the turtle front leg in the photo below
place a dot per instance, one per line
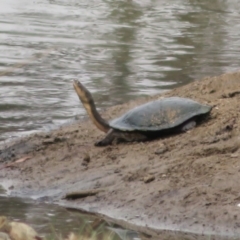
(107, 140)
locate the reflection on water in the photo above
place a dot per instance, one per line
(51, 220)
(119, 49)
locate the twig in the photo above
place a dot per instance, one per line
(84, 193)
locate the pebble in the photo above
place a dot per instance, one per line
(161, 150)
(149, 178)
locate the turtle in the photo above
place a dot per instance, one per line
(145, 122)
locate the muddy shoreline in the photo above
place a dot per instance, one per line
(195, 176)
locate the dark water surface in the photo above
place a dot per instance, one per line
(119, 49)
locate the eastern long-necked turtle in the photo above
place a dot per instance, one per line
(146, 121)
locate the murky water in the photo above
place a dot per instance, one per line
(120, 49)
(55, 222)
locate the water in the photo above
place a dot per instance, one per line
(119, 49)
(53, 222)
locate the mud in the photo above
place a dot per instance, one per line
(186, 182)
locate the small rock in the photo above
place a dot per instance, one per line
(162, 149)
(117, 170)
(86, 159)
(212, 91)
(112, 157)
(149, 178)
(234, 155)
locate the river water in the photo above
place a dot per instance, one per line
(120, 49)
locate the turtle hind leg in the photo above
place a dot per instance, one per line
(188, 125)
(131, 137)
(115, 136)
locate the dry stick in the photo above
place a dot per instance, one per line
(83, 193)
(19, 65)
(14, 164)
(88, 192)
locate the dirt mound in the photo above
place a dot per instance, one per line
(187, 182)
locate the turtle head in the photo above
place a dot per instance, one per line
(87, 100)
(84, 95)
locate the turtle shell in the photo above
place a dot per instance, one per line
(162, 114)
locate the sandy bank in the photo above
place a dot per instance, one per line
(196, 174)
